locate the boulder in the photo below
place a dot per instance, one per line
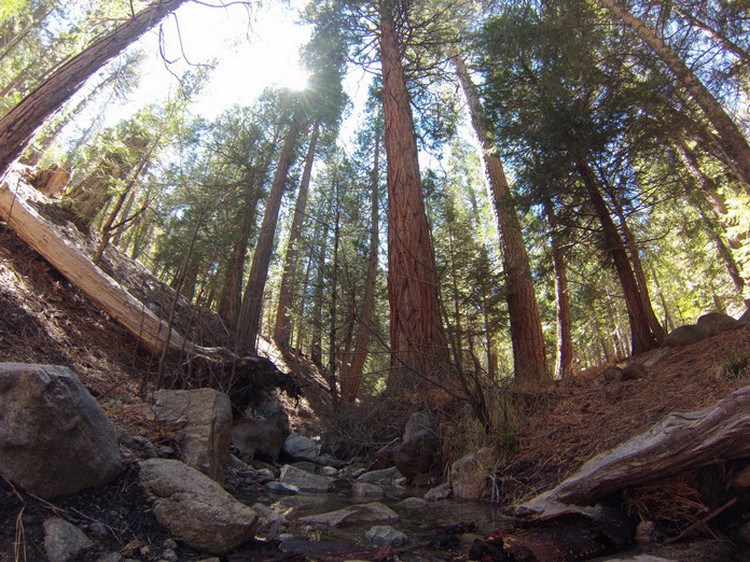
(419, 453)
(63, 541)
(685, 335)
(385, 535)
(438, 493)
(384, 477)
(194, 508)
(277, 487)
(257, 438)
(470, 475)
(300, 448)
(413, 504)
(305, 481)
(717, 322)
(745, 318)
(366, 491)
(354, 514)
(55, 440)
(204, 416)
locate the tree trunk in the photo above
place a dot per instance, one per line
(353, 364)
(642, 338)
(564, 355)
(709, 189)
(640, 277)
(248, 325)
(283, 326)
(733, 143)
(418, 343)
(18, 125)
(316, 344)
(529, 357)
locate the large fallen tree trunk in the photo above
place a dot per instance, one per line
(680, 442)
(150, 331)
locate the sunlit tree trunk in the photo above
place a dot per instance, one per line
(283, 325)
(19, 124)
(418, 343)
(732, 141)
(248, 324)
(527, 337)
(642, 338)
(353, 364)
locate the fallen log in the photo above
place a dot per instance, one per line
(680, 442)
(152, 333)
(240, 377)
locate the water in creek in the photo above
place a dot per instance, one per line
(422, 526)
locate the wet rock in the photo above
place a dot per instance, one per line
(282, 488)
(717, 322)
(329, 471)
(342, 485)
(304, 480)
(269, 520)
(470, 475)
(438, 493)
(194, 508)
(384, 477)
(685, 335)
(385, 535)
(354, 514)
(419, 453)
(55, 440)
(63, 541)
(257, 438)
(365, 490)
(300, 448)
(204, 416)
(413, 504)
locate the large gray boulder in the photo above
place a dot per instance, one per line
(204, 416)
(717, 322)
(419, 453)
(685, 335)
(194, 508)
(300, 448)
(55, 440)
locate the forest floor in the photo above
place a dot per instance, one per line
(43, 319)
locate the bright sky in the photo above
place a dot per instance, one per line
(254, 51)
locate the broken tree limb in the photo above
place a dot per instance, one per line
(152, 333)
(679, 442)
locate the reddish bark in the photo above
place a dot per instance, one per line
(642, 338)
(353, 363)
(527, 337)
(248, 325)
(283, 327)
(418, 343)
